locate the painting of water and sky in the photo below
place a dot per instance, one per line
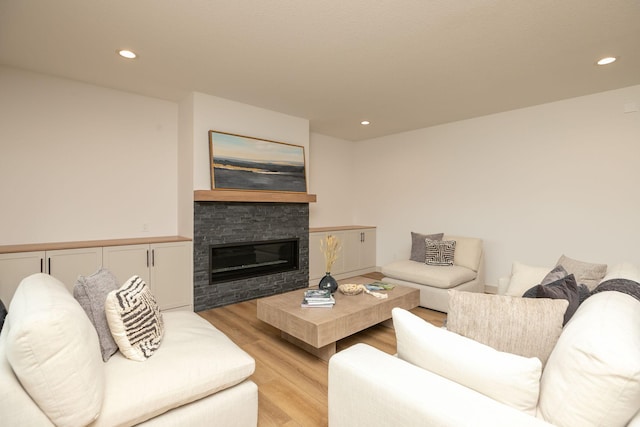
(244, 163)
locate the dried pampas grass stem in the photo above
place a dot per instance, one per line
(330, 246)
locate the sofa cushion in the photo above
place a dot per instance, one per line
(524, 277)
(508, 378)
(17, 408)
(444, 277)
(91, 292)
(440, 252)
(194, 361)
(592, 377)
(585, 272)
(134, 319)
(54, 351)
(418, 245)
(524, 326)
(468, 251)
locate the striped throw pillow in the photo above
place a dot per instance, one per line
(134, 319)
(440, 252)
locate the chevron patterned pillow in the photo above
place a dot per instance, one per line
(134, 319)
(440, 252)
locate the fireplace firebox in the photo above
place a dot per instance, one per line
(234, 261)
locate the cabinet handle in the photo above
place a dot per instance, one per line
(147, 257)
(153, 257)
(49, 265)
(41, 265)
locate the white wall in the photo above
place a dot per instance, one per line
(332, 180)
(185, 166)
(533, 183)
(81, 162)
(213, 113)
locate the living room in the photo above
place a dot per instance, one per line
(534, 183)
(84, 161)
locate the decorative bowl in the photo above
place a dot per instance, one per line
(351, 289)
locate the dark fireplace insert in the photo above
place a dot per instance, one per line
(234, 261)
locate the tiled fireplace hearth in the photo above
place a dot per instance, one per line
(223, 223)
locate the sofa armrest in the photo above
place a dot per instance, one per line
(368, 387)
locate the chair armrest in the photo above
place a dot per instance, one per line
(368, 387)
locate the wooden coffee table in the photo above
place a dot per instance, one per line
(316, 330)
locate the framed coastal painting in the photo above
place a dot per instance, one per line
(244, 163)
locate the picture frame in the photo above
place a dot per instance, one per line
(240, 162)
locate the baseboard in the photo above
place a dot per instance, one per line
(490, 289)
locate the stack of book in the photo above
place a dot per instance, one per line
(320, 298)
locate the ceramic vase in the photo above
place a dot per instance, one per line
(328, 282)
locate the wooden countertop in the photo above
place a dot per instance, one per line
(33, 247)
(339, 228)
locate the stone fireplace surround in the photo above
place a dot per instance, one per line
(234, 222)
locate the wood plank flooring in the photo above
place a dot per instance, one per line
(292, 384)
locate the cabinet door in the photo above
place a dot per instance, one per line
(127, 261)
(15, 267)
(171, 282)
(368, 249)
(351, 243)
(67, 264)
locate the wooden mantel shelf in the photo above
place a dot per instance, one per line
(251, 196)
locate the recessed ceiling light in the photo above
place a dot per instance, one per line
(365, 122)
(127, 54)
(607, 60)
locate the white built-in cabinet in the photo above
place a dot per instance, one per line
(164, 263)
(357, 256)
(163, 266)
(63, 264)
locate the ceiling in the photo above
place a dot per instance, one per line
(401, 64)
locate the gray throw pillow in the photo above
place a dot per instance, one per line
(557, 273)
(91, 292)
(583, 292)
(418, 242)
(565, 288)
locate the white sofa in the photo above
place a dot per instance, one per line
(438, 378)
(52, 372)
(433, 281)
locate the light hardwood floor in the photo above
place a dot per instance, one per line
(292, 384)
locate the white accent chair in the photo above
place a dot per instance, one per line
(434, 282)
